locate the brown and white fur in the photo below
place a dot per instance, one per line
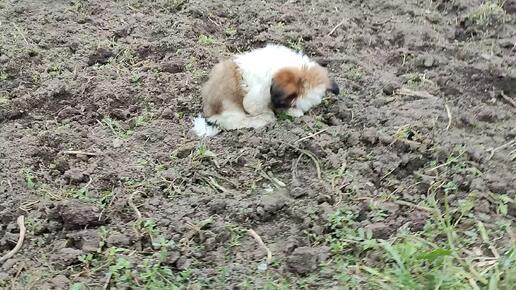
(244, 92)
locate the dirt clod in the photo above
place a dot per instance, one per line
(421, 121)
(60, 282)
(426, 61)
(100, 56)
(272, 203)
(116, 239)
(66, 257)
(304, 260)
(172, 67)
(75, 175)
(86, 240)
(379, 230)
(7, 265)
(74, 214)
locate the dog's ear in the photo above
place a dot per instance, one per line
(286, 86)
(280, 98)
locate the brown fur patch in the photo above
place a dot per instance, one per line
(223, 90)
(290, 80)
(287, 85)
(315, 76)
(291, 83)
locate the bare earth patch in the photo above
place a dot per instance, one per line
(404, 181)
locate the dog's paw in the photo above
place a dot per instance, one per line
(295, 112)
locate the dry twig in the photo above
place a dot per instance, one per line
(448, 111)
(108, 279)
(509, 100)
(409, 204)
(20, 32)
(337, 26)
(310, 155)
(420, 94)
(133, 206)
(493, 150)
(262, 244)
(312, 135)
(21, 224)
(78, 152)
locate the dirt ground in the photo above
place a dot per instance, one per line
(97, 98)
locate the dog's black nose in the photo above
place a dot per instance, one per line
(334, 89)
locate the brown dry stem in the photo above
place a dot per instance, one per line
(21, 224)
(262, 244)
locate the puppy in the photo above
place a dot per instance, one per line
(244, 92)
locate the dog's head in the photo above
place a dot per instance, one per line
(302, 88)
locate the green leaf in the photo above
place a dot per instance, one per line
(504, 209)
(483, 232)
(77, 286)
(394, 254)
(434, 254)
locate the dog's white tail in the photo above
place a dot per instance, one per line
(201, 128)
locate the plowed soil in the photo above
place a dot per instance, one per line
(96, 103)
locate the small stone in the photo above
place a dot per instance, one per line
(117, 143)
(100, 56)
(120, 114)
(183, 263)
(67, 113)
(385, 138)
(73, 46)
(272, 203)
(87, 240)
(291, 244)
(433, 18)
(117, 239)
(217, 206)
(172, 67)
(172, 258)
(67, 256)
(389, 89)
(476, 153)
(498, 186)
(303, 260)
(52, 226)
(210, 244)
(9, 264)
(60, 282)
(4, 276)
(507, 43)
(482, 206)
(369, 135)
(56, 88)
(167, 113)
(75, 175)
(487, 115)
(428, 61)
(4, 59)
(262, 267)
(297, 192)
(75, 214)
(324, 253)
(170, 174)
(122, 31)
(379, 230)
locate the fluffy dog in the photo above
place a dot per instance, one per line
(244, 91)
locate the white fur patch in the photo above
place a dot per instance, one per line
(311, 99)
(201, 128)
